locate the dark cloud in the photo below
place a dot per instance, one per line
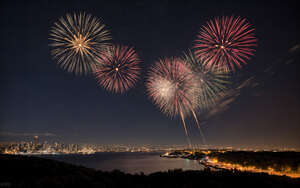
(295, 48)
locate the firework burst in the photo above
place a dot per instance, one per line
(171, 86)
(76, 40)
(118, 69)
(226, 42)
(210, 82)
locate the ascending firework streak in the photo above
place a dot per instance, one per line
(209, 84)
(172, 87)
(118, 69)
(76, 40)
(225, 42)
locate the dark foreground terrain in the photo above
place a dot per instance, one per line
(25, 171)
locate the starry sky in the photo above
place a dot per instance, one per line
(37, 97)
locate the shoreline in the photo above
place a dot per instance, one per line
(215, 165)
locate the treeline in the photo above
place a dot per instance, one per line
(279, 161)
(33, 172)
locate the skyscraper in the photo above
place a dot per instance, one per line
(36, 140)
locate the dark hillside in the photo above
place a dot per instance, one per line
(26, 171)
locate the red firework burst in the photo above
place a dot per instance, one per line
(118, 69)
(225, 42)
(171, 86)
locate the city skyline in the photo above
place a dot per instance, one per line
(54, 147)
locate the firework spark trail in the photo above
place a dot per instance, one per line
(185, 129)
(225, 42)
(118, 69)
(171, 86)
(76, 40)
(199, 128)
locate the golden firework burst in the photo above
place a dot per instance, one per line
(76, 41)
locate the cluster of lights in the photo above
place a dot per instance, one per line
(270, 170)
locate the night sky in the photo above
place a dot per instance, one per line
(37, 97)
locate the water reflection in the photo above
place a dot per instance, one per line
(129, 162)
